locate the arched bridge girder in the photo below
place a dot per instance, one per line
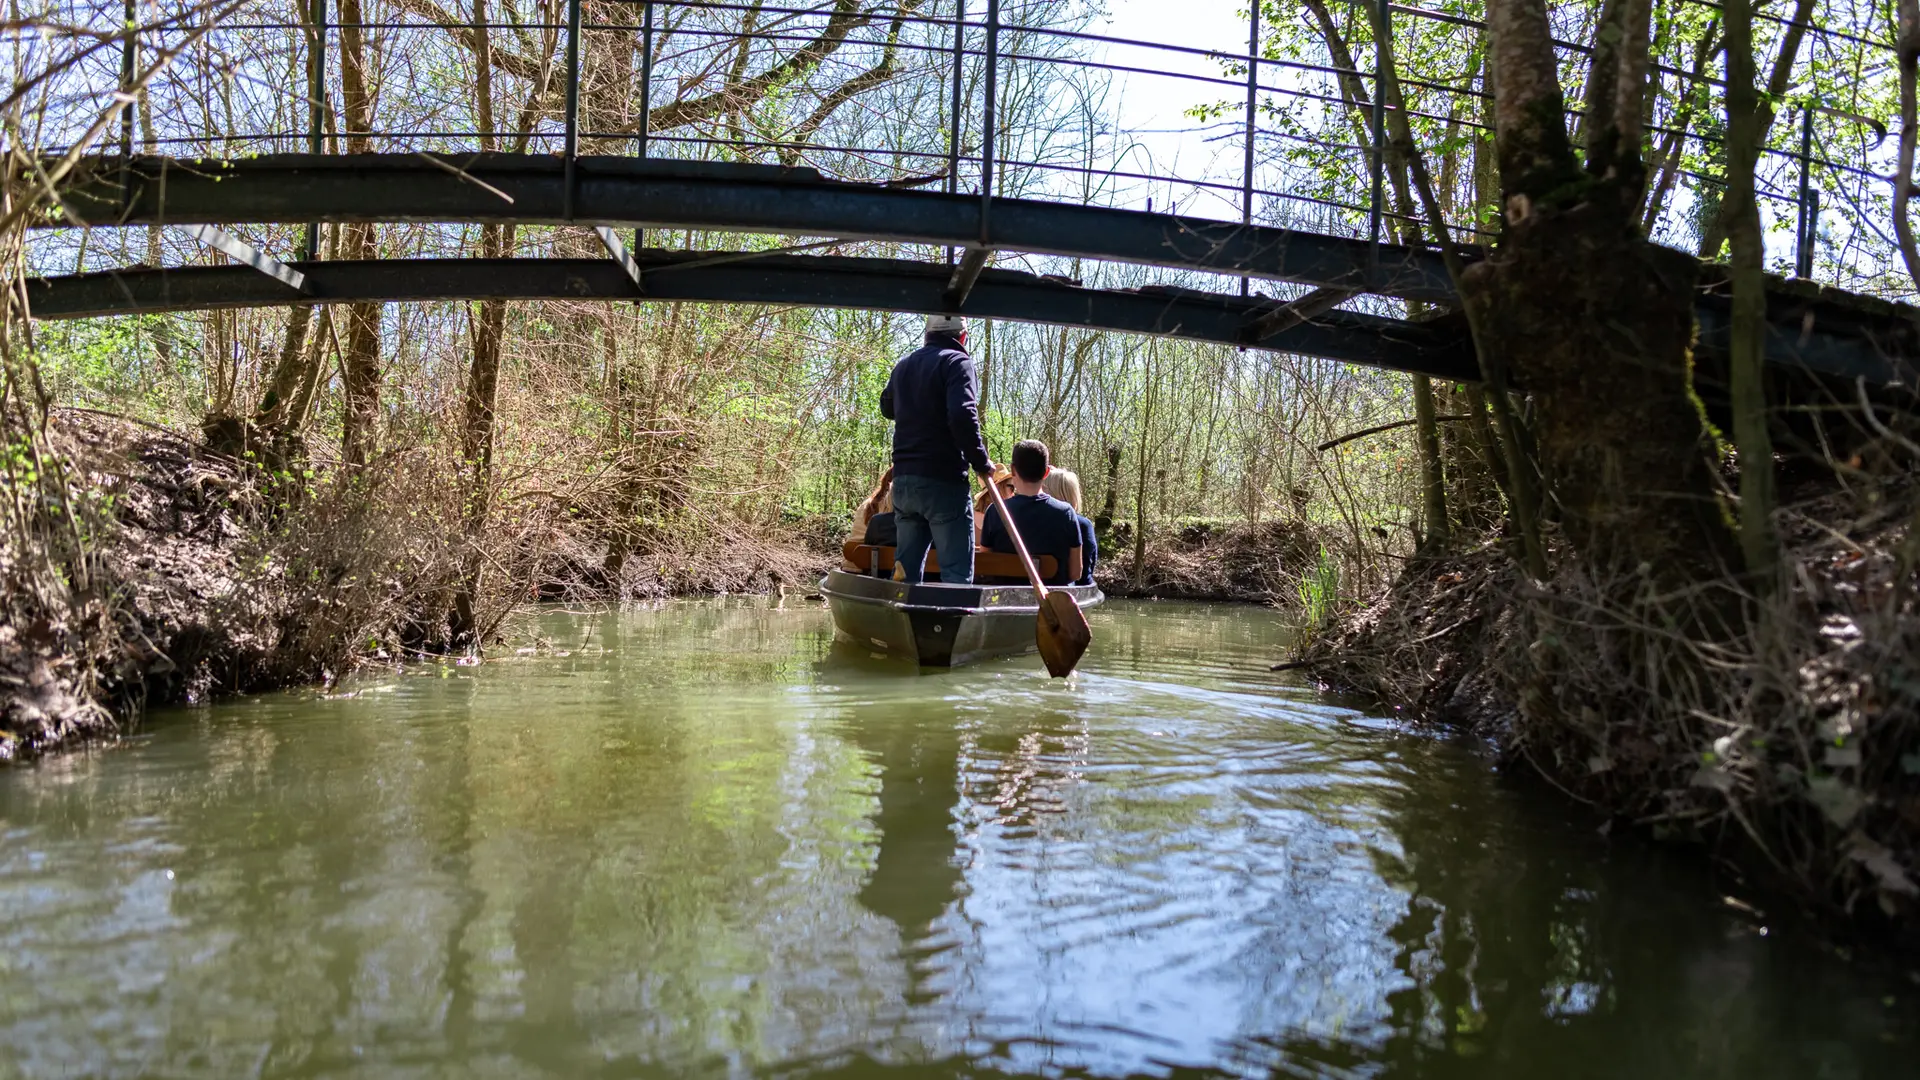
(718, 196)
(1436, 349)
(1822, 334)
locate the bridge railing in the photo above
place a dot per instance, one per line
(997, 98)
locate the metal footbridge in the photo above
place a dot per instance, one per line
(920, 241)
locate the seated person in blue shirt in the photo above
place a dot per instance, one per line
(1064, 484)
(1046, 524)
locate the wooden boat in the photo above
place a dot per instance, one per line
(939, 625)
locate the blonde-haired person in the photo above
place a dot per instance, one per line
(873, 521)
(1064, 484)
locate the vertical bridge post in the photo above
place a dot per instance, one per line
(316, 100)
(1253, 90)
(645, 130)
(1382, 26)
(1809, 199)
(953, 111)
(129, 63)
(129, 49)
(571, 150)
(975, 259)
(990, 122)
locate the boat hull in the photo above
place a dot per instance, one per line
(938, 625)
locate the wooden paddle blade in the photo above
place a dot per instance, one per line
(1063, 633)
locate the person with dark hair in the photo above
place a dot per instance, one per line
(933, 399)
(1046, 524)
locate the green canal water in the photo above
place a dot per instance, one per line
(704, 840)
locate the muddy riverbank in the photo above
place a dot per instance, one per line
(192, 574)
(1788, 740)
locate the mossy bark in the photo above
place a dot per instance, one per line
(1588, 318)
(1597, 325)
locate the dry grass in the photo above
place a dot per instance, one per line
(206, 574)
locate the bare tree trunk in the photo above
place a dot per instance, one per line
(289, 373)
(1105, 519)
(318, 347)
(1433, 481)
(1758, 543)
(361, 384)
(1140, 487)
(1515, 446)
(1908, 47)
(1714, 236)
(361, 363)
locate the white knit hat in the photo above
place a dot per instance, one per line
(946, 324)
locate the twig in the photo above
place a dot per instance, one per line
(1866, 408)
(466, 176)
(122, 416)
(1378, 428)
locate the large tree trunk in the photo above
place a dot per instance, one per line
(1597, 325)
(1908, 48)
(489, 335)
(360, 426)
(1589, 318)
(1433, 480)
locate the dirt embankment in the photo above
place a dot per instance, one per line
(1213, 561)
(575, 568)
(192, 574)
(1789, 737)
(185, 578)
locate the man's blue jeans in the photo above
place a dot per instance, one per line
(937, 512)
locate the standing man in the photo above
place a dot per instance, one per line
(933, 399)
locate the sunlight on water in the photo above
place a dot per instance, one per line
(704, 839)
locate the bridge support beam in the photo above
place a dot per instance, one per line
(724, 196)
(611, 241)
(1297, 311)
(812, 281)
(1827, 333)
(225, 242)
(964, 275)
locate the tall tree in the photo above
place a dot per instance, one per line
(489, 329)
(1713, 237)
(1745, 130)
(361, 363)
(1595, 322)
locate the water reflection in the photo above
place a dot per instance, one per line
(701, 840)
(916, 873)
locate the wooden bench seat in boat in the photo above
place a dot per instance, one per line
(878, 561)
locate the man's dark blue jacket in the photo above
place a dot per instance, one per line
(933, 399)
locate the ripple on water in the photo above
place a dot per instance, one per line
(706, 841)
